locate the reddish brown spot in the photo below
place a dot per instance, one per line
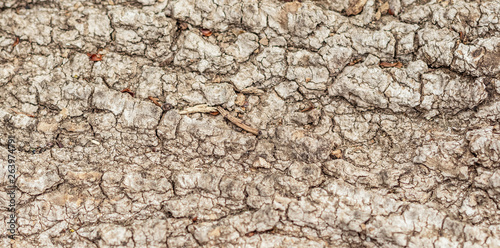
(390, 12)
(250, 234)
(389, 64)
(195, 218)
(462, 36)
(95, 57)
(354, 62)
(127, 90)
(205, 32)
(16, 42)
(214, 113)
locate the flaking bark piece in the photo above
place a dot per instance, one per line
(355, 7)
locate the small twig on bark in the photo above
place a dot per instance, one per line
(155, 101)
(237, 121)
(16, 42)
(127, 90)
(308, 108)
(19, 112)
(203, 108)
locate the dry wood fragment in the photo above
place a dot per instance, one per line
(355, 7)
(237, 121)
(203, 108)
(127, 90)
(155, 101)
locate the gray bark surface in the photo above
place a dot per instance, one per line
(373, 123)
